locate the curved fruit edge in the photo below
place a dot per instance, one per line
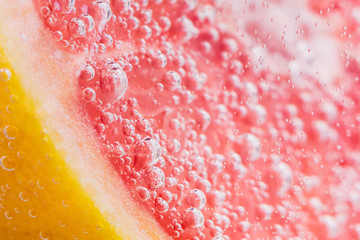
(39, 69)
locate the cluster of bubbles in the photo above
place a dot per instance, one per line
(212, 142)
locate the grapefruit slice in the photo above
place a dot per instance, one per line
(179, 120)
(46, 193)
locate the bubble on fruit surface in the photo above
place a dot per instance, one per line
(113, 84)
(76, 28)
(145, 32)
(147, 153)
(160, 60)
(87, 73)
(266, 210)
(161, 205)
(89, 94)
(45, 235)
(193, 217)
(196, 198)
(106, 39)
(143, 193)
(10, 132)
(203, 118)
(5, 74)
(113, 80)
(155, 177)
(7, 163)
(33, 213)
(63, 6)
(286, 175)
(24, 196)
(8, 215)
(250, 146)
(173, 145)
(216, 198)
(121, 6)
(171, 80)
(88, 21)
(101, 11)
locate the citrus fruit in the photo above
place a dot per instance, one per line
(179, 119)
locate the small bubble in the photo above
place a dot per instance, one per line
(164, 23)
(63, 6)
(196, 198)
(7, 163)
(173, 145)
(145, 32)
(32, 213)
(5, 74)
(155, 177)
(14, 98)
(8, 215)
(121, 6)
(45, 235)
(193, 217)
(113, 80)
(216, 198)
(218, 238)
(65, 203)
(128, 129)
(101, 11)
(44, 11)
(147, 153)
(143, 193)
(107, 40)
(171, 80)
(160, 61)
(107, 118)
(87, 73)
(89, 94)
(76, 28)
(88, 21)
(24, 196)
(161, 205)
(250, 146)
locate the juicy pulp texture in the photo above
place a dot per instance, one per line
(223, 120)
(60, 187)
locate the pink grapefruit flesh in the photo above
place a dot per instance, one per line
(191, 119)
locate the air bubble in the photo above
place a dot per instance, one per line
(101, 11)
(121, 6)
(113, 80)
(24, 196)
(160, 61)
(161, 205)
(76, 28)
(155, 177)
(171, 80)
(143, 193)
(44, 11)
(147, 153)
(193, 217)
(196, 198)
(145, 32)
(63, 6)
(33, 213)
(250, 146)
(8, 164)
(88, 21)
(173, 145)
(5, 74)
(88, 73)
(45, 235)
(8, 215)
(89, 94)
